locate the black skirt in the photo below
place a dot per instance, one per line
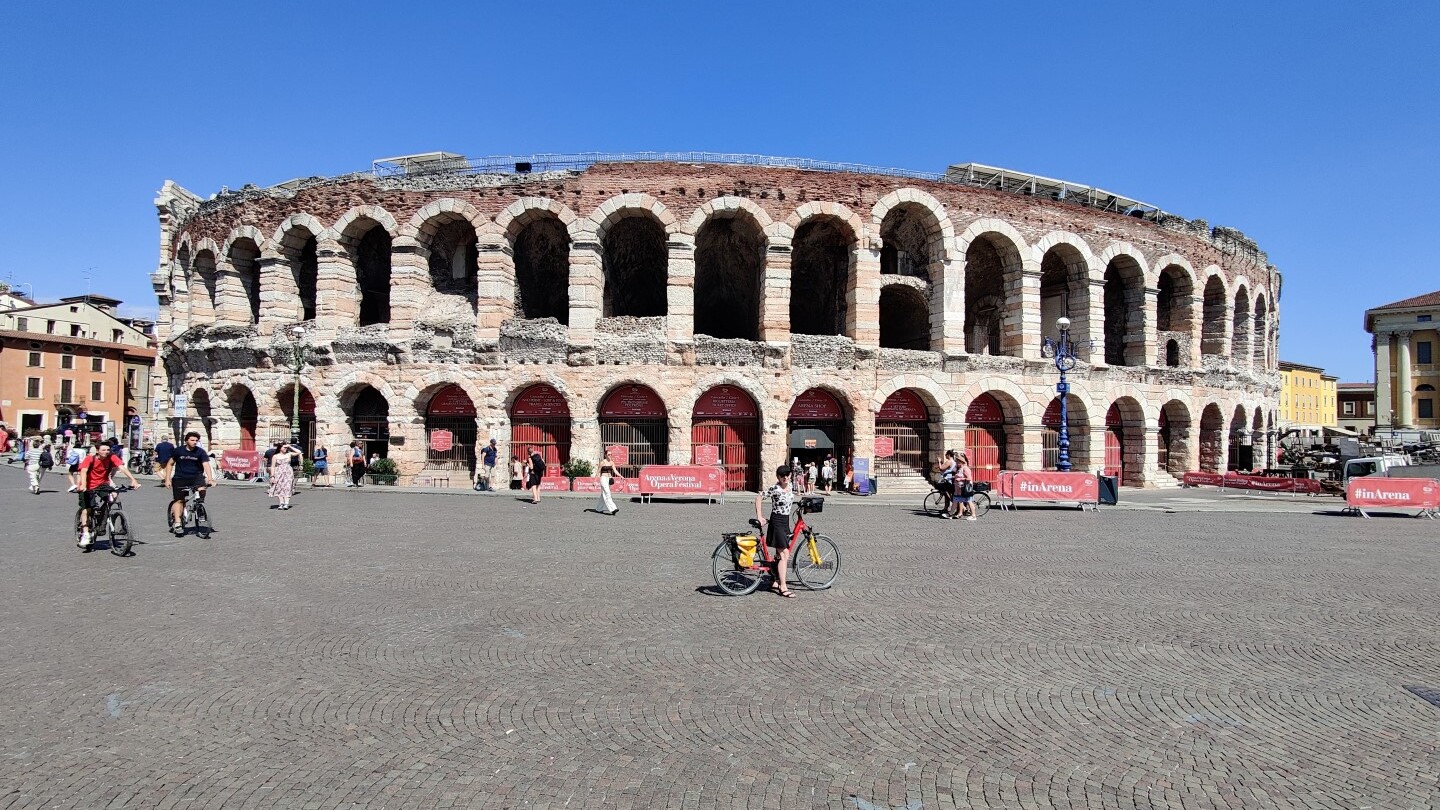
(777, 532)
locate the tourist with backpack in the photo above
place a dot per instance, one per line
(537, 473)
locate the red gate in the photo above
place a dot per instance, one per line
(634, 416)
(1115, 443)
(985, 438)
(904, 420)
(540, 418)
(726, 417)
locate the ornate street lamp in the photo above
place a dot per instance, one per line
(1062, 351)
(297, 363)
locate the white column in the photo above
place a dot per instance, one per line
(1383, 415)
(1403, 388)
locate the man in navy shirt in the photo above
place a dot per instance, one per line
(487, 467)
(189, 468)
(163, 451)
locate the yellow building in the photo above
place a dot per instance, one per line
(1406, 370)
(1307, 395)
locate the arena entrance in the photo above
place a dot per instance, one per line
(633, 417)
(279, 431)
(540, 418)
(904, 422)
(1078, 430)
(1124, 442)
(450, 431)
(817, 427)
(985, 441)
(247, 414)
(725, 430)
(1114, 443)
(369, 421)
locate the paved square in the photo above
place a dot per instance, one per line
(375, 649)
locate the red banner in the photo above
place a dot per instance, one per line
(1050, 486)
(903, 406)
(675, 479)
(554, 483)
(539, 401)
(985, 410)
(706, 454)
(619, 454)
(240, 461)
(725, 402)
(817, 404)
(619, 486)
(1257, 482)
(1399, 493)
(633, 401)
(451, 401)
(884, 446)
(441, 440)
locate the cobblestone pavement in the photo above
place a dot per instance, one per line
(368, 649)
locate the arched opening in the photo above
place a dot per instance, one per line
(1242, 451)
(725, 430)
(1078, 430)
(245, 258)
(1213, 327)
(1174, 438)
(450, 431)
(904, 318)
(991, 264)
(1240, 337)
(1261, 335)
(906, 237)
(729, 269)
(633, 417)
(1124, 313)
(1212, 438)
(902, 436)
(988, 435)
(1172, 353)
(370, 422)
(204, 422)
(453, 257)
(1064, 291)
(820, 258)
(542, 269)
(205, 305)
(247, 415)
(818, 425)
(301, 251)
(1174, 318)
(1124, 442)
(368, 244)
(280, 430)
(635, 262)
(540, 418)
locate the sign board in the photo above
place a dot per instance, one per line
(182, 402)
(903, 406)
(441, 441)
(1256, 482)
(985, 410)
(817, 404)
(675, 480)
(619, 454)
(884, 446)
(725, 402)
(861, 467)
(619, 486)
(632, 402)
(706, 454)
(539, 401)
(1394, 493)
(1050, 486)
(240, 461)
(554, 483)
(451, 401)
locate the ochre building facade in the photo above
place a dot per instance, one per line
(712, 312)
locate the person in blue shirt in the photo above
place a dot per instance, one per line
(189, 468)
(163, 451)
(485, 478)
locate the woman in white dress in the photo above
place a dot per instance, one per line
(608, 473)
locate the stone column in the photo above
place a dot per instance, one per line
(1095, 321)
(410, 289)
(1384, 403)
(587, 291)
(680, 290)
(952, 310)
(1197, 336)
(495, 285)
(863, 298)
(1030, 326)
(1148, 318)
(337, 296)
(1148, 458)
(775, 293)
(1404, 394)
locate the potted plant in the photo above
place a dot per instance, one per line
(307, 470)
(577, 468)
(384, 471)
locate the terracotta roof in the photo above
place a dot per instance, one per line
(1356, 386)
(1429, 299)
(143, 352)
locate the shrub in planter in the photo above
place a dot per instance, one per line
(384, 471)
(577, 468)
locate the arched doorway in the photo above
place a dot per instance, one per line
(904, 421)
(540, 418)
(1078, 430)
(247, 414)
(725, 429)
(450, 431)
(200, 400)
(280, 431)
(1115, 443)
(1242, 452)
(817, 427)
(985, 438)
(1124, 442)
(370, 421)
(633, 416)
(1212, 438)
(1174, 438)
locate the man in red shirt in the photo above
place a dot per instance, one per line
(95, 471)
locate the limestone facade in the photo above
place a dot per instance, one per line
(591, 279)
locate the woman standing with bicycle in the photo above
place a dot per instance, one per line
(776, 525)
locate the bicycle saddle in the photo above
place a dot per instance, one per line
(755, 523)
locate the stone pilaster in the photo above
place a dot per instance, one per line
(1384, 385)
(1030, 326)
(337, 295)
(1143, 336)
(1404, 388)
(410, 289)
(587, 290)
(863, 297)
(775, 293)
(279, 295)
(680, 292)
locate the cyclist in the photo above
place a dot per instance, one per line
(189, 468)
(964, 487)
(777, 528)
(947, 486)
(93, 475)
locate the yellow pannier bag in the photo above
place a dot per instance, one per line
(745, 546)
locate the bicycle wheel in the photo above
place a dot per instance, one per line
(729, 578)
(818, 571)
(981, 503)
(119, 533)
(79, 527)
(935, 502)
(202, 522)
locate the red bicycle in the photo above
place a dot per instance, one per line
(742, 561)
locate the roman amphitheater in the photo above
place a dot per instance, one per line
(713, 308)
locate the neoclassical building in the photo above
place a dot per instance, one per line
(713, 309)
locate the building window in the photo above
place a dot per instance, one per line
(33, 360)
(130, 377)
(67, 361)
(1422, 318)
(23, 324)
(67, 391)
(97, 391)
(97, 364)
(1422, 352)
(74, 330)
(74, 309)
(32, 387)
(49, 327)
(1369, 409)
(117, 335)
(1427, 408)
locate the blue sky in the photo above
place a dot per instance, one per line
(1312, 127)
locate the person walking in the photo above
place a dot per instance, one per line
(34, 454)
(357, 464)
(73, 457)
(537, 473)
(321, 461)
(608, 473)
(964, 487)
(948, 467)
(811, 476)
(164, 449)
(776, 524)
(485, 478)
(282, 475)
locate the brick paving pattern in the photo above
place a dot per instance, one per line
(384, 650)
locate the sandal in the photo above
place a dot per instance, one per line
(787, 594)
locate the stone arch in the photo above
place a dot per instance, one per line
(1128, 437)
(819, 208)
(991, 447)
(1260, 334)
(904, 318)
(347, 386)
(445, 234)
(205, 299)
(1239, 437)
(297, 242)
(633, 232)
(730, 245)
(425, 222)
(1175, 438)
(1215, 325)
(623, 206)
(1174, 308)
(202, 402)
(1066, 266)
(913, 240)
(994, 263)
(1212, 438)
(765, 401)
(346, 226)
(1124, 305)
(1078, 420)
(517, 385)
(421, 391)
(243, 250)
(934, 394)
(366, 233)
(1241, 335)
(514, 216)
(823, 257)
(943, 228)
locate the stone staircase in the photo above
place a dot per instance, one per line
(1162, 479)
(903, 485)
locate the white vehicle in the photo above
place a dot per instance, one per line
(1389, 466)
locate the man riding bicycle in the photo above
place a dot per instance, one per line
(94, 475)
(189, 468)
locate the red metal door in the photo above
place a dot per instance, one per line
(985, 445)
(1115, 451)
(739, 444)
(552, 437)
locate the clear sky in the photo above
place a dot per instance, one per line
(1312, 126)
